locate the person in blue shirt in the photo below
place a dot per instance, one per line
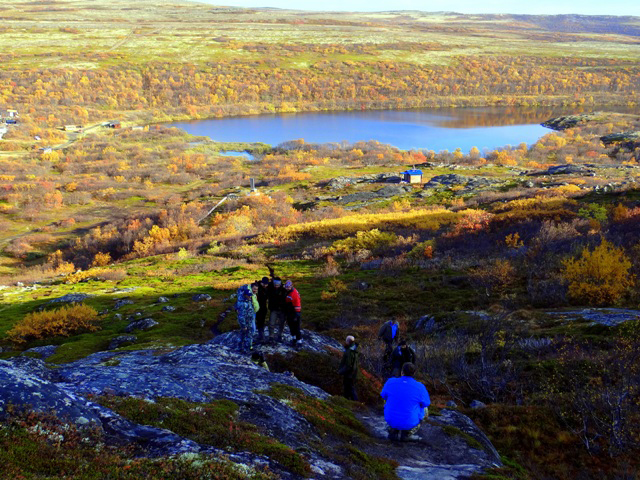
(406, 402)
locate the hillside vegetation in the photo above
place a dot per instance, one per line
(514, 272)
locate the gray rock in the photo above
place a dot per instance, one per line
(23, 388)
(196, 373)
(432, 453)
(451, 404)
(117, 316)
(168, 308)
(602, 316)
(569, 169)
(121, 340)
(163, 300)
(427, 323)
(201, 297)
(311, 342)
(122, 302)
(477, 404)
(144, 324)
(44, 352)
(70, 298)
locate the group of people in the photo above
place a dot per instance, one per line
(268, 296)
(406, 399)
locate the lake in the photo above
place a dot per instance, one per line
(430, 129)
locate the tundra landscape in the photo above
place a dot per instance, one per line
(512, 270)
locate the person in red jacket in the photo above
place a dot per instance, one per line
(293, 309)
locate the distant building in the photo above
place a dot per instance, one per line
(412, 176)
(114, 125)
(44, 150)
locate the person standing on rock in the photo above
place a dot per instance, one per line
(402, 354)
(388, 334)
(349, 368)
(276, 298)
(406, 403)
(293, 310)
(261, 314)
(246, 317)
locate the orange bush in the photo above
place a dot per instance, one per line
(61, 322)
(599, 277)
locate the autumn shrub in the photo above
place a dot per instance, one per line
(494, 277)
(422, 250)
(373, 240)
(101, 260)
(64, 322)
(600, 276)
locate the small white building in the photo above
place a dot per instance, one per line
(412, 176)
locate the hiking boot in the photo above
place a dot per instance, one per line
(404, 435)
(393, 435)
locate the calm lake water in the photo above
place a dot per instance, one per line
(431, 129)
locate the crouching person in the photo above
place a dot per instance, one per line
(406, 402)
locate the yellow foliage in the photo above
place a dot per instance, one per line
(599, 277)
(513, 241)
(424, 219)
(101, 259)
(61, 322)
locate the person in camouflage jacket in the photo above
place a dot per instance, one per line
(246, 317)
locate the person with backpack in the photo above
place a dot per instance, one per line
(293, 310)
(388, 334)
(406, 403)
(402, 354)
(246, 310)
(349, 368)
(276, 299)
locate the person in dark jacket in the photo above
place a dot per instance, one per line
(349, 368)
(276, 298)
(389, 333)
(402, 354)
(261, 315)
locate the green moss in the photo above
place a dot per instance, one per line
(330, 417)
(35, 446)
(212, 423)
(456, 432)
(374, 467)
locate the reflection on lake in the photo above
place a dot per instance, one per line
(431, 129)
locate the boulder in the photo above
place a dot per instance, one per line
(426, 323)
(144, 324)
(201, 297)
(121, 340)
(163, 300)
(168, 308)
(477, 404)
(42, 352)
(568, 169)
(70, 298)
(122, 302)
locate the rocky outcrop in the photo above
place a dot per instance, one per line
(447, 446)
(385, 192)
(311, 342)
(339, 183)
(609, 317)
(568, 169)
(450, 180)
(570, 121)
